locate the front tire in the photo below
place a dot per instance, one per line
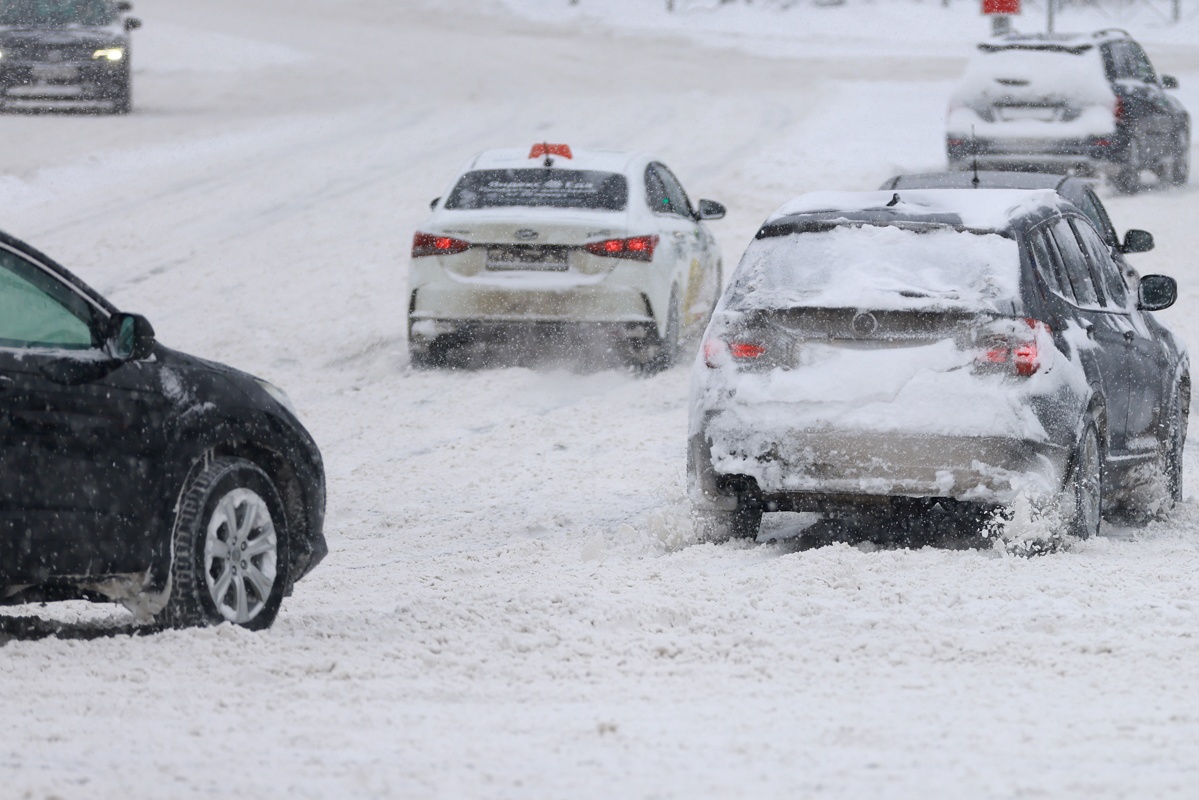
(1128, 179)
(1180, 164)
(230, 549)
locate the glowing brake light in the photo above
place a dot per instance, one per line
(428, 244)
(546, 149)
(638, 248)
(1020, 354)
(717, 352)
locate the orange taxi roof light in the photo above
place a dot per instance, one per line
(545, 149)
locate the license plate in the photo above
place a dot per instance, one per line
(547, 259)
(1034, 113)
(44, 73)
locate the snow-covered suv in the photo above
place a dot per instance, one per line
(1085, 103)
(558, 239)
(964, 351)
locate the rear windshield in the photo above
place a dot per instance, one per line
(879, 267)
(1036, 74)
(57, 12)
(554, 188)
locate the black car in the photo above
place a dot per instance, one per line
(1078, 191)
(1087, 103)
(59, 51)
(135, 473)
(914, 352)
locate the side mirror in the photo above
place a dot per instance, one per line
(1169, 82)
(710, 209)
(132, 23)
(433, 203)
(1156, 292)
(1136, 241)
(123, 6)
(133, 337)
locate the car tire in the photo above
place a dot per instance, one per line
(1084, 485)
(1128, 179)
(229, 507)
(122, 98)
(721, 526)
(1180, 165)
(1172, 450)
(668, 343)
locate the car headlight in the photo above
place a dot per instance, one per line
(279, 395)
(110, 53)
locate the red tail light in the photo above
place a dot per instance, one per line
(746, 351)
(428, 244)
(717, 352)
(1020, 354)
(638, 248)
(1119, 110)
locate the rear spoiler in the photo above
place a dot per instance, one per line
(1073, 49)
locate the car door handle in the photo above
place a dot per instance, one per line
(6, 383)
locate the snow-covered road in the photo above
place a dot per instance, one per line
(513, 605)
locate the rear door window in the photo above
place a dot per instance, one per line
(1138, 63)
(1096, 214)
(1102, 267)
(1048, 265)
(1076, 268)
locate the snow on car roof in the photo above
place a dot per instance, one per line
(518, 157)
(971, 208)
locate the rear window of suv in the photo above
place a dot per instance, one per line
(884, 267)
(541, 187)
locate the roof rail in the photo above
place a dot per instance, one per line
(1109, 31)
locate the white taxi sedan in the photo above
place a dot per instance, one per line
(602, 242)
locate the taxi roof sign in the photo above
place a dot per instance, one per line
(546, 149)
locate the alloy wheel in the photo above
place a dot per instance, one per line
(240, 555)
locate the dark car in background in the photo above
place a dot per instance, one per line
(915, 352)
(131, 472)
(1085, 103)
(70, 53)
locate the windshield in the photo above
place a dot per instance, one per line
(57, 12)
(879, 267)
(545, 187)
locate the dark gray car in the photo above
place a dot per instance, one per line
(1086, 103)
(65, 52)
(904, 350)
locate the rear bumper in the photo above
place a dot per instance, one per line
(1092, 156)
(79, 82)
(805, 471)
(597, 303)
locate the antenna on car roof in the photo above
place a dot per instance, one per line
(974, 156)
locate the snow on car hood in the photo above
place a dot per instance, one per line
(881, 268)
